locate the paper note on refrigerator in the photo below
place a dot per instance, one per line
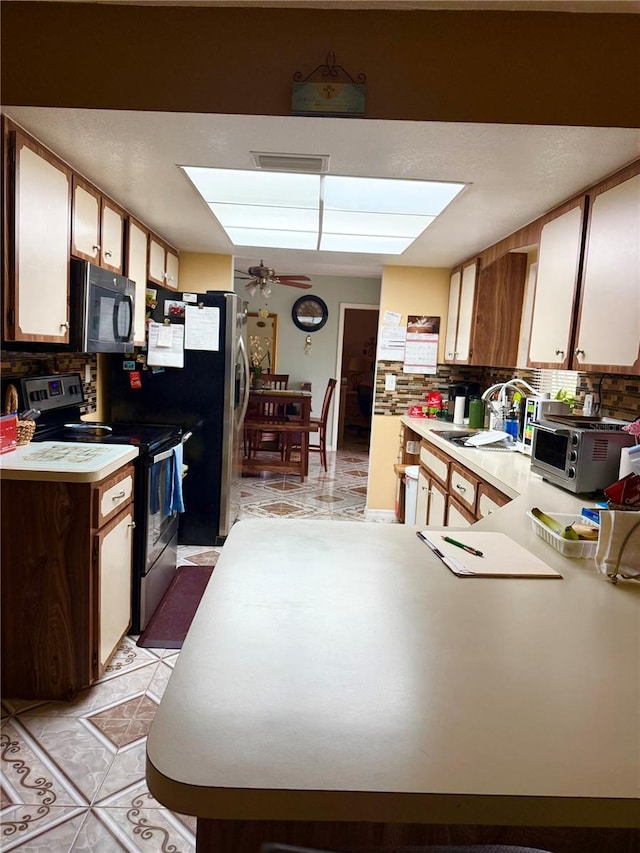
(202, 328)
(166, 345)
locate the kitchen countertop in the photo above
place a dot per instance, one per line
(67, 462)
(510, 472)
(338, 672)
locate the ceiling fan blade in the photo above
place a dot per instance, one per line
(293, 284)
(284, 278)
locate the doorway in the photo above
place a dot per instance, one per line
(356, 367)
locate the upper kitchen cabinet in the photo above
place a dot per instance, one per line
(498, 311)
(36, 232)
(97, 225)
(556, 287)
(608, 325)
(460, 315)
(136, 254)
(163, 263)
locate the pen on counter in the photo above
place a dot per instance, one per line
(464, 547)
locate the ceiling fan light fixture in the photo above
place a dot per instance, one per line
(252, 288)
(265, 289)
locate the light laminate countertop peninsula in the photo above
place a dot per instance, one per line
(337, 677)
(65, 462)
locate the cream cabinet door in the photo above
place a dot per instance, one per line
(437, 507)
(452, 317)
(423, 498)
(114, 592)
(136, 270)
(609, 322)
(39, 301)
(85, 222)
(465, 313)
(157, 267)
(172, 270)
(112, 237)
(555, 290)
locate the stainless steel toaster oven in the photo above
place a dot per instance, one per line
(579, 454)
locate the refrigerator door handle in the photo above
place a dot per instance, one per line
(245, 362)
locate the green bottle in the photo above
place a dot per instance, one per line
(476, 413)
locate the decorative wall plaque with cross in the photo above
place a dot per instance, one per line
(328, 90)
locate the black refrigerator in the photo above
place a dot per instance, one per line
(204, 333)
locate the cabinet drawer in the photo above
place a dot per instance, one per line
(436, 462)
(464, 487)
(489, 500)
(112, 494)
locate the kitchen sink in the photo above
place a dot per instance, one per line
(459, 437)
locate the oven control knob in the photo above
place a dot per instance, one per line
(573, 456)
(571, 473)
(575, 439)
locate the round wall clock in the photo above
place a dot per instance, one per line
(309, 313)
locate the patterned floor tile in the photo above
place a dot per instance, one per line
(52, 829)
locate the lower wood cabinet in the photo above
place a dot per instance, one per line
(449, 494)
(66, 582)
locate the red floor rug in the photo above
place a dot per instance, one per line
(168, 626)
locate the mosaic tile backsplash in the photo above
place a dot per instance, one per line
(15, 365)
(619, 396)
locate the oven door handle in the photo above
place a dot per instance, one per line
(162, 456)
(554, 430)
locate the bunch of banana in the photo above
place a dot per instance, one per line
(561, 530)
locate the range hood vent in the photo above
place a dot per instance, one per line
(312, 163)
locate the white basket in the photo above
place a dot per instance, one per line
(583, 549)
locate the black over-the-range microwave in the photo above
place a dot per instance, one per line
(102, 309)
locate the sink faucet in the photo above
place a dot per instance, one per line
(498, 407)
(502, 387)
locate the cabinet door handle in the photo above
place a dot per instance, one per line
(579, 352)
(461, 488)
(64, 326)
(118, 496)
(107, 253)
(560, 352)
(132, 524)
(96, 248)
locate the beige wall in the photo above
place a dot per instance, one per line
(405, 290)
(200, 272)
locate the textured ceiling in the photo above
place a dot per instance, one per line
(514, 173)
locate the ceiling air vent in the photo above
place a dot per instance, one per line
(314, 163)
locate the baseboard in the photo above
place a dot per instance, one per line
(385, 515)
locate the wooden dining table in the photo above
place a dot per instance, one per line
(285, 415)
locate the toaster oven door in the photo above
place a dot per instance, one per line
(553, 452)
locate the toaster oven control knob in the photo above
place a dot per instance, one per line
(571, 473)
(573, 456)
(575, 439)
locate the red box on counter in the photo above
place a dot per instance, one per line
(416, 412)
(8, 433)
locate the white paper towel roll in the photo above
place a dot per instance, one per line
(458, 410)
(629, 461)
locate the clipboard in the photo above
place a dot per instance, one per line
(502, 557)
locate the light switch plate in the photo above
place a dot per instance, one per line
(390, 382)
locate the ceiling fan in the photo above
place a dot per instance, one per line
(263, 277)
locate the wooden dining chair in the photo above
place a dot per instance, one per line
(270, 441)
(319, 425)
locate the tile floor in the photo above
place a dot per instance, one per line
(73, 774)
